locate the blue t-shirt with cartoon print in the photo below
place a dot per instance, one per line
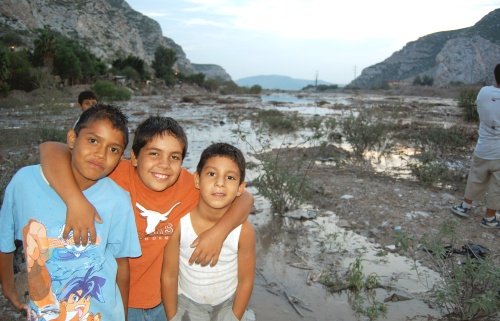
(68, 282)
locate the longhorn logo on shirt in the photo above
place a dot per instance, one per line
(154, 218)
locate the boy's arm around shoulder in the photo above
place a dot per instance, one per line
(7, 280)
(170, 274)
(55, 159)
(246, 269)
(209, 243)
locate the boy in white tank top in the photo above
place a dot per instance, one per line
(221, 292)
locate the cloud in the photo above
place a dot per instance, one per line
(346, 20)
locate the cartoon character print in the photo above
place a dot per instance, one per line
(74, 300)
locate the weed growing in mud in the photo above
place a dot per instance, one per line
(277, 121)
(364, 132)
(439, 141)
(429, 172)
(283, 179)
(362, 296)
(470, 281)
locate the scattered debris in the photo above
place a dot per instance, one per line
(301, 214)
(398, 296)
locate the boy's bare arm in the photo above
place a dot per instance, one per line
(123, 281)
(209, 243)
(246, 270)
(55, 159)
(7, 280)
(170, 274)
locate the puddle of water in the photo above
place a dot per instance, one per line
(283, 243)
(332, 99)
(306, 105)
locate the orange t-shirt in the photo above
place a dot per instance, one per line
(156, 215)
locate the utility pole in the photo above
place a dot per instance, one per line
(316, 82)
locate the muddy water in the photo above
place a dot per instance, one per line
(290, 251)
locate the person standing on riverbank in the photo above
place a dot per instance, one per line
(484, 175)
(86, 99)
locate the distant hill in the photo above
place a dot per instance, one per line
(277, 82)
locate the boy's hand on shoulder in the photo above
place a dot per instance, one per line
(80, 218)
(208, 246)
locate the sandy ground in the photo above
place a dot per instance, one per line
(365, 206)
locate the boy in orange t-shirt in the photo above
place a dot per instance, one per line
(161, 192)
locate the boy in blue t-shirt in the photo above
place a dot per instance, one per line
(66, 281)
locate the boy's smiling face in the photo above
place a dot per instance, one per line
(159, 162)
(219, 182)
(95, 151)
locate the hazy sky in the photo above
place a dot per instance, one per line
(302, 38)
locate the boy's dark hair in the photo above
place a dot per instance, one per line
(87, 94)
(108, 112)
(158, 126)
(223, 150)
(497, 74)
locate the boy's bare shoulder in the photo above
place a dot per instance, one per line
(247, 230)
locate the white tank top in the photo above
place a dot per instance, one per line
(205, 284)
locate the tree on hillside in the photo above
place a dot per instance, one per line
(133, 62)
(4, 72)
(4, 64)
(45, 47)
(21, 72)
(163, 63)
(67, 64)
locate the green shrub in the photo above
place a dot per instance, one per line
(255, 89)
(283, 185)
(107, 90)
(278, 121)
(211, 85)
(4, 89)
(283, 178)
(429, 171)
(467, 101)
(364, 132)
(440, 140)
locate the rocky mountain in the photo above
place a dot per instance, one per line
(462, 56)
(212, 71)
(108, 28)
(277, 82)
